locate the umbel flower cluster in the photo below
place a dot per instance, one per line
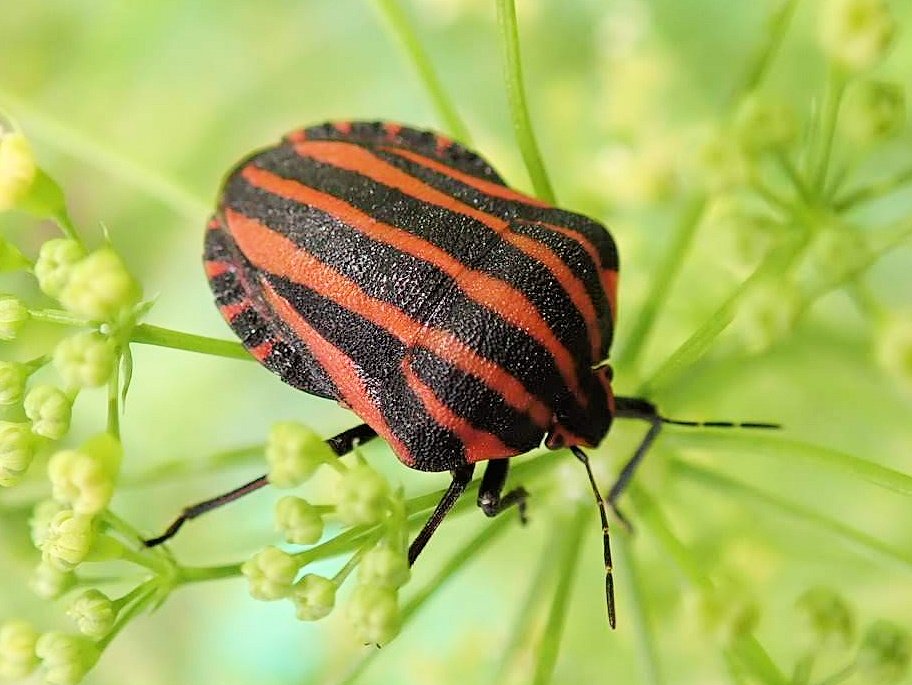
(784, 190)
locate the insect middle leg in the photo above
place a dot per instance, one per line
(490, 499)
(462, 476)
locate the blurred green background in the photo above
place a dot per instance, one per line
(139, 108)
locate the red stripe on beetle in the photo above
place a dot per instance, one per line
(276, 254)
(342, 370)
(359, 160)
(607, 277)
(262, 350)
(232, 310)
(479, 444)
(486, 290)
(214, 269)
(486, 187)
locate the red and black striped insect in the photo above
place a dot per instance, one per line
(392, 270)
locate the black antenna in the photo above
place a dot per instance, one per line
(606, 543)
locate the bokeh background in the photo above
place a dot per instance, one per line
(139, 108)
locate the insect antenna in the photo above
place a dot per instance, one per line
(606, 542)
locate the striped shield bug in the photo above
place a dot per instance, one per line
(393, 271)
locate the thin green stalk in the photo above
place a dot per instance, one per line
(665, 274)
(151, 588)
(752, 654)
(59, 316)
(700, 340)
(521, 636)
(742, 491)
(197, 574)
(875, 191)
(635, 610)
(80, 146)
(835, 90)
(653, 519)
(489, 532)
(179, 468)
(113, 424)
(147, 334)
(522, 124)
(398, 22)
(791, 171)
(792, 451)
(759, 65)
(557, 616)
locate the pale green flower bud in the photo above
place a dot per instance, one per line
(49, 582)
(12, 382)
(856, 33)
(66, 658)
(723, 164)
(11, 259)
(828, 618)
(17, 169)
(884, 654)
(85, 359)
(93, 612)
(56, 260)
(42, 515)
(85, 478)
(294, 452)
(374, 614)
(13, 314)
(49, 409)
(763, 125)
(837, 250)
(17, 449)
(314, 597)
(362, 496)
(298, 520)
(384, 567)
(767, 314)
(99, 287)
(728, 612)
(17, 650)
(874, 111)
(68, 540)
(270, 573)
(894, 347)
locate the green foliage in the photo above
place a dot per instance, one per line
(764, 237)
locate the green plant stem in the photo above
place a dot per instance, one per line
(113, 423)
(653, 519)
(522, 637)
(180, 468)
(759, 64)
(557, 615)
(744, 491)
(490, 531)
(664, 277)
(80, 146)
(791, 452)
(198, 574)
(522, 123)
(791, 171)
(774, 265)
(147, 334)
(874, 191)
(142, 599)
(399, 25)
(59, 316)
(646, 648)
(836, 84)
(752, 654)
(879, 246)
(746, 647)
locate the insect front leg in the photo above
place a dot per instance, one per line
(490, 499)
(462, 476)
(341, 444)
